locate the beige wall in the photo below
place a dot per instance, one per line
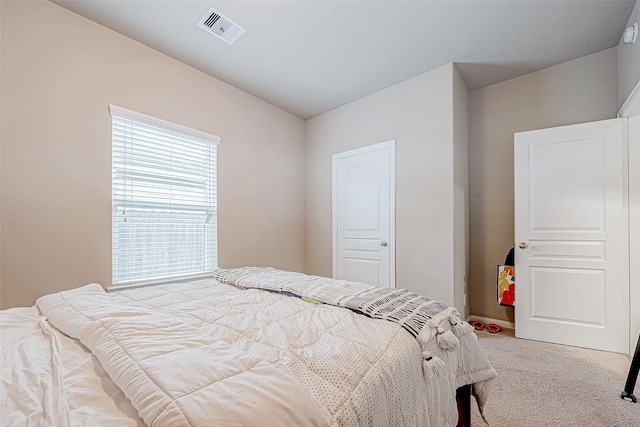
(59, 74)
(628, 61)
(1, 306)
(577, 91)
(418, 114)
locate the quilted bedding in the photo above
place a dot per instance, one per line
(174, 374)
(50, 380)
(363, 371)
(208, 353)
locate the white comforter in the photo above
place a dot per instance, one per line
(364, 371)
(176, 375)
(316, 364)
(49, 379)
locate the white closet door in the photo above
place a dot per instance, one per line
(363, 212)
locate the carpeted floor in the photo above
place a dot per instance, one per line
(541, 384)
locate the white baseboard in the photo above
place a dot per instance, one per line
(485, 320)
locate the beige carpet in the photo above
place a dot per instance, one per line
(541, 384)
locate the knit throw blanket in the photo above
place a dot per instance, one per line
(421, 317)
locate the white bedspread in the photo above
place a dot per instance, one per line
(176, 375)
(49, 379)
(364, 371)
(318, 363)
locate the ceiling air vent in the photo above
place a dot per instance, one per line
(221, 26)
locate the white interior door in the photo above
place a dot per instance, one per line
(571, 230)
(363, 215)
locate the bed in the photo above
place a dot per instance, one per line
(249, 346)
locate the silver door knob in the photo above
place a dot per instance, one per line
(522, 245)
(383, 244)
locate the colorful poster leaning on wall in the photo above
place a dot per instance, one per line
(506, 285)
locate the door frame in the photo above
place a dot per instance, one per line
(634, 230)
(631, 110)
(391, 147)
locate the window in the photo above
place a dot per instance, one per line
(163, 200)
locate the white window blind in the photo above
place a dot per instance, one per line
(164, 222)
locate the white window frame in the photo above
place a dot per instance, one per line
(119, 205)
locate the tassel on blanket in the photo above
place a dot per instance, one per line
(459, 326)
(431, 365)
(446, 339)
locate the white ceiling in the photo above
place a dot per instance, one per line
(308, 57)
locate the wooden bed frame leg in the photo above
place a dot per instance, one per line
(463, 397)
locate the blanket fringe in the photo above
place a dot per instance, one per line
(446, 339)
(459, 326)
(431, 365)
